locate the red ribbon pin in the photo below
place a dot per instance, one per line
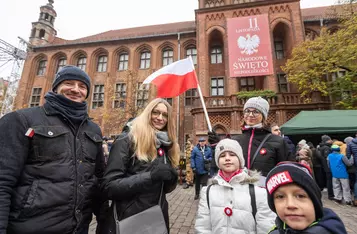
(228, 211)
(263, 151)
(161, 152)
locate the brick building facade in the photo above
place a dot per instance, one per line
(118, 60)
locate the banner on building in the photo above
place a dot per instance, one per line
(249, 46)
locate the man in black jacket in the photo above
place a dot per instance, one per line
(325, 150)
(50, 161)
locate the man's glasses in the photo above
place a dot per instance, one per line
(255, 113)
(157, 113)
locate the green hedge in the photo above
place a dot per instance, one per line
(256, 93)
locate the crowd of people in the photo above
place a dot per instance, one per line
(57, 170)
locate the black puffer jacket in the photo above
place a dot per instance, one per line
(48, 182)
(127, 181)
(274, 150)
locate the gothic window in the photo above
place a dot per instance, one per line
(102, 63)
(192, 51)
(169, 100)
(41, 67)
(190, 96)
(282, 82)
(216, 55)
(35, 97)
(123, 61)
(82, 62)
(279, 48)
(247, 84)
(61, 63)
(217, 86)
(98, 96)
(120, 95)
(145, 60)
(167, 57)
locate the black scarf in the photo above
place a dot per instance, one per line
(76, 112)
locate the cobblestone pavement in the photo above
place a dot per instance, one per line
(183, 208)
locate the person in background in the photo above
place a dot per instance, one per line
(296, 198)
(352, 153)
(325, 150)
(201, 156)
(351, 169)
(338, 164)
(189, 172)
(319, 164)
(142, 163)
(305, 157)
(254, 131)
(51, 159)
(299, 146)
(275, 129)
(226, 206)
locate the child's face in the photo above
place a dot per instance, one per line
(294, 206)
(228, 162)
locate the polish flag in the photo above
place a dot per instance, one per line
(174, 79)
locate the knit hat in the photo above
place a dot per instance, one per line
(71, 73)
(296, 173)
(232, 146)
(258, 103)
(202, 139)
(302, 142)
(335, 148)
(347, 140)
(325, 138)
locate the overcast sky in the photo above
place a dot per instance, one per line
(80, 18)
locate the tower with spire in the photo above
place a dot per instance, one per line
(43, 30)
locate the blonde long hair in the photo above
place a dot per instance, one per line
(144, 137)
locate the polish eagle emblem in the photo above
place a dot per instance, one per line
(249, 44)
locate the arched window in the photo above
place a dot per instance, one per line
(82, 62)
(145, 58)
(167, 56)
(102, 63)
(61, 63)
(41, 67)
(216, 54)
(192, 51)
(123, 61)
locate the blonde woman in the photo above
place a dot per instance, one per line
(136, 167)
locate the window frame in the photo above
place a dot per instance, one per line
(61, 63)
(41, 70)
(102, 66)
(146, 60)
(217, 87)
(36, 95)
(247, 86)
(192, 54)
(142, 95)
(214, 53)
(98, 102)
(279, 53)
(123, 64)
(167, 56)
(80, 64)
(190, 95)
(120, 95)
(286, 83)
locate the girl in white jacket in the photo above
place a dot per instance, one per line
(232, 203)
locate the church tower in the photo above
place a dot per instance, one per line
(43, 30)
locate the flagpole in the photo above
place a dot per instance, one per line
(178, 97)
(204, 107)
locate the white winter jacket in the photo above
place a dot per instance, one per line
(234, 195)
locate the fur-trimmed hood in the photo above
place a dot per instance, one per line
(245, 177)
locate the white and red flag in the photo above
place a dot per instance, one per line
(174, 79)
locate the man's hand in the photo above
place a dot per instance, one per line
(213, 138)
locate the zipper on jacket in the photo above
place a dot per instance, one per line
(250, 147)
(76, 174)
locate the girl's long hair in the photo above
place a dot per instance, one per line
(144, 134)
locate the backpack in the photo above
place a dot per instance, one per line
(252, 200)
